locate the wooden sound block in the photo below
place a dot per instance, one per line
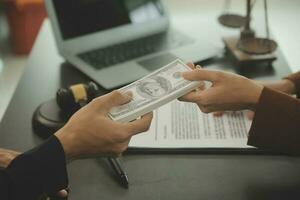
(241, 58)
(49, 118)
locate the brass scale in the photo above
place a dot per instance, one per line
(248, 48)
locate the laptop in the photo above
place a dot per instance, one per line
(116, 42)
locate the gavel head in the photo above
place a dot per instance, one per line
(76, 96)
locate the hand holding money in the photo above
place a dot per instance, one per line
(153, 91)
(229, 92)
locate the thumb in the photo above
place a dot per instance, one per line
(201, 75)
(140, 125)
(113, 99)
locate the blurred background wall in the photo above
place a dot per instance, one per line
(20, 21)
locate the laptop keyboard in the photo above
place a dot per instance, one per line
(105, 57)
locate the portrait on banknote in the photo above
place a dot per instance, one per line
(154, 87)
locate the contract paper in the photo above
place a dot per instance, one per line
(183, 125)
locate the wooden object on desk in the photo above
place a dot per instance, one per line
(244, 59)
(248, 48)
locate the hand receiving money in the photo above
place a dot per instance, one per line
(228, 91)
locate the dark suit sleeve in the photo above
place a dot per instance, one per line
(276, 125)
(5, 185)
(40, 170)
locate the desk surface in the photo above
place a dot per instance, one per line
(151, 176)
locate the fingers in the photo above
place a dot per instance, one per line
(250, 115)
(201, 75)
(218, 114)
(117, 98)
(62, 194)
(140, 125)
(191, 65)
(202, 86)
(113, 99)
(190, 97)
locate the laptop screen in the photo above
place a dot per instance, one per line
(82, 17)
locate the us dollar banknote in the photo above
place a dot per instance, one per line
(154, 90)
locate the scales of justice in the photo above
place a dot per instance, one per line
(248, 49)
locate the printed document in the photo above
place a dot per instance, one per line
(183, 125)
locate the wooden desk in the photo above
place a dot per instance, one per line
(152, 177)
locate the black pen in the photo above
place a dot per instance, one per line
(117, 167)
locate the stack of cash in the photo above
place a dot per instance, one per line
(153, 91)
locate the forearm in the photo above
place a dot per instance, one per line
(40, 170)
(276, 123)
(5, 185)
(284, 85)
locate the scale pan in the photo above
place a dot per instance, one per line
(257, 45)
(232, 20)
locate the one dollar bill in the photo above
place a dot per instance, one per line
(153, 91)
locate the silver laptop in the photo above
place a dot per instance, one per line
(116, 42)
